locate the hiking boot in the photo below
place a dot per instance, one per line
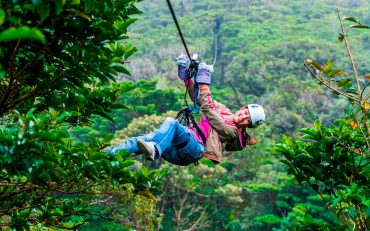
(147, 148)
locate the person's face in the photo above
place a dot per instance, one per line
(242, 117)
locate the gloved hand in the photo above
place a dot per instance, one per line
(183, 63)
(204, 73)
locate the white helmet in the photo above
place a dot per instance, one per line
(257, 115)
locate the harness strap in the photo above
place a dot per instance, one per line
(197, 128)
(196, 91)
(184, 115)
(192, 71)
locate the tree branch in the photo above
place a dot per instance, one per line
(11, 77)
(196, 223)
(3, 106)
(332, 88)
(350, 56)
(31, 187)
(29, 94)
(345, 222)
(34, 58)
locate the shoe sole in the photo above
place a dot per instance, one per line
(144, 148)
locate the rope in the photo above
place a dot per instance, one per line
(185, 113)
(178, 28)
(193, 65)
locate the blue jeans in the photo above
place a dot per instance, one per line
(173, 142)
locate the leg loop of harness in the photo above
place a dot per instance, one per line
(185, 117)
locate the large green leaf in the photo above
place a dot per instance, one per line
(351, 19)
(73, 2)
(23, 32)
(121, 69)
(344, 83)
(359, 27)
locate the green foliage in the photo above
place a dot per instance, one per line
(45, 173)
(24, 32)
(58, 61)
(259, 48)
(259, 59)
(62, 54)
(334, 159)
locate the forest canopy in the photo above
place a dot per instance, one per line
(78, 77)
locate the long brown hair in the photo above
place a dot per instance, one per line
(247, 139)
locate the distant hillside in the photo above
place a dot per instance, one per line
(261, 46)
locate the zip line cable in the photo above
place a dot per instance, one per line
(182, 39)
(186, 112)
(193, 68)
(178, 28)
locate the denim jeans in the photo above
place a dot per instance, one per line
(173, 142)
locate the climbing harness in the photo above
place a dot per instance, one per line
(185, 117)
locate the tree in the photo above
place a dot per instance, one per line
(334, 160)
(59, 60)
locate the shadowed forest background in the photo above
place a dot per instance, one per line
(259, 49)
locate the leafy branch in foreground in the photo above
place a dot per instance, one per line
(44, 174)
(334, 161)
(58, 62)
(63, 54)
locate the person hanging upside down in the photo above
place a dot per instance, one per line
(182, 145)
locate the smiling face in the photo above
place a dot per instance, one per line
(242, 117)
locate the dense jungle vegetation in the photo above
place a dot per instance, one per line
(78, 76)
